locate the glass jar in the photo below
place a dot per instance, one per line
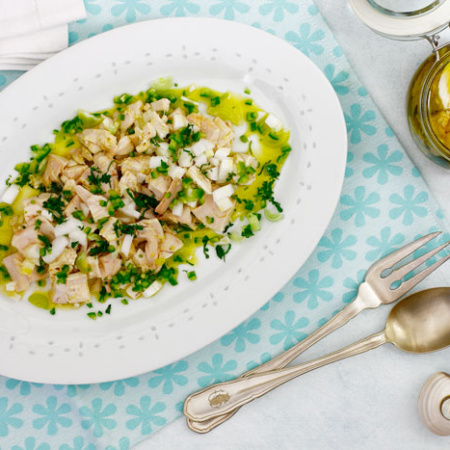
(428, 98)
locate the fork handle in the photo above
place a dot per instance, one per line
(283, 359)
(223, 398)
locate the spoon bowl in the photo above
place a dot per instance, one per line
(421, 322)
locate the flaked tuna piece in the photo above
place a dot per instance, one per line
(226, 133)
(67, 257)
(53, 170)
(83, 193)
(170, 245)
(185, 218)
(143, 136)
(128, 181)
(96, 140)
(107, 230)
(211, 216)
(151, 250)
(131, 113)
(199, 179)
(68, 184)
(109, 125)
(33, 207)
(105, 163)
(216, 130)
(73, 172)
(84, 176)
(109, 265)
(13, 264)
(159, 186)
(163, 104)
(94, 270)
(96, 207)
(43, 227)
(150, 228)
(140, 260)
(124, 147)
(74, 290)
(206, 125)
(24, 238)
(138, 164)
(159, 124)
(172, 192)
(73, 205)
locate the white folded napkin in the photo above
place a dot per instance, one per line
(33, 30)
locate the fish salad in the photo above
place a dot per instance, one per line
(124, 196)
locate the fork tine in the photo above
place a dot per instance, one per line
(407, 285)
(402, 271)
(391, 259)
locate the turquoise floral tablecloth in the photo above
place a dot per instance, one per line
(384, 204)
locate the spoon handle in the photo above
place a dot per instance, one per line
(223, 398)
(283, 359)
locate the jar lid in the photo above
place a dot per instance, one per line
(418, 19)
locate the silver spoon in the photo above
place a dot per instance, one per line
(419, 323)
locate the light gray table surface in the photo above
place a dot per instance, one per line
(367, 402)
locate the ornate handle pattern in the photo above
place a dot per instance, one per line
(223, 398)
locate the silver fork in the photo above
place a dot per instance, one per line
(200, 408)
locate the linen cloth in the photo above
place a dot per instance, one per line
(384, 204)
(33, 30)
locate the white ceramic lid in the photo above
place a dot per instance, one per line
(413, 24)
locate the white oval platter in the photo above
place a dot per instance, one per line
(148, 334)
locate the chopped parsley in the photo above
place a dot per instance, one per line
(265, 194)
(47, 245)
(192, 275)
(247, 231)
(222, 250)
(56, 207)
(61, 276)
(96, 179)
(143, 202)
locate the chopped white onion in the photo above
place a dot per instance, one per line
(209, 153)
(222, 153)
(58, 246)
(179, 121)
(177, 210)
(226, 167)
(224, 204)
(201, 147)
(130, 211)
(67, 227)
(163, 149)
(126, 245)
(155, 161)
(214, 161)
(273, 122)
(213, 173)
(152, 289)
(176, 172)
(78, 236)
(10, 194)
(11, 286)
(223, 192)
(32, 253)
(141, 177)
(46, 214)
(200, 160)
(185, 159)
(185, 99)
